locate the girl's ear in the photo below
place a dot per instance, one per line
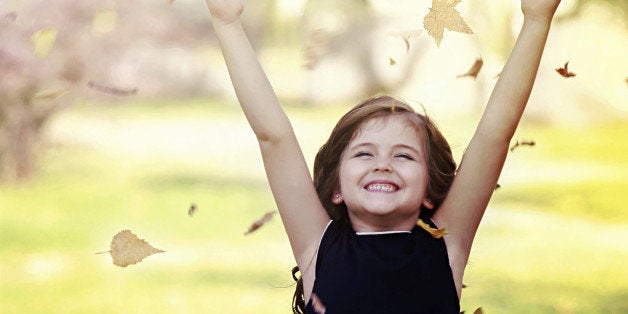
(428, 204)
(337, 198)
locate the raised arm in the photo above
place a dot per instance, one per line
(482, 162)
(301, 211)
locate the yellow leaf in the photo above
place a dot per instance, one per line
(43, 41)
(391, 61)
(475, 69)
(444, 15)
(50, 94)
(127, 249)
(436, 233)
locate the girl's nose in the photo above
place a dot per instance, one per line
(382, 165)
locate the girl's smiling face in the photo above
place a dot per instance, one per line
(383, 175)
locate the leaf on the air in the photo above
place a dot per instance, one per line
(260, 222)
(564, 72)
(112, 90)
(478, 311)
(474, 70)
(43, 41)
(407, 35)
(444, 15)
(436, 233)
(522, 143)
(8, 17)
(391, 61)
(50, 94)
(127, 249)
(192, 209)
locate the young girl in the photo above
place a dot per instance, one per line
(366, 231)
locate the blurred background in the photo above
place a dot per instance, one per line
(119, 115)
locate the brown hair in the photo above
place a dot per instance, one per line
(440, 163)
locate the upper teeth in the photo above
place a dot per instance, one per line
(380, 187)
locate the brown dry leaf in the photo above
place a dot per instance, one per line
(478, 311)
(192, 209)
(444, 15)
(474, 70)
(391, 61)
(259, 223)
(564, 72)
(8, 17)
(522, 143)
(127, 249)
(406, 40)
(407, 36)
(111, 90)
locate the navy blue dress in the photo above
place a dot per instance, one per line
(400, 272)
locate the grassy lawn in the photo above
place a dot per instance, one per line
(553, 240)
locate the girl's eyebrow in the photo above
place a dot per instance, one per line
(396, 146)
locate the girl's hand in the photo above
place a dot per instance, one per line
(225, 11)
(539, 9)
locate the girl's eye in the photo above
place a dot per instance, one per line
(405, 156)
(363, 154)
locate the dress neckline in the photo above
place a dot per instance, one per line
(366, 233)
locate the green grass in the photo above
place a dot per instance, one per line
(553, 239)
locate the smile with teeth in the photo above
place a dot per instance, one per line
(381, 187)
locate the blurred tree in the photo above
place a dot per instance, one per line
(52, 52)
(337, 27)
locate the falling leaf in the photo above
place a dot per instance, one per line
(474, 70)
(192, 209)
(478, 311)
(8, 17)
(317, 304)
(406, 36)
(111, 90)
(444, 15)
(497, 186)
(392, 61)
(564, 71)
(43, 41)
(126, 249)
(257, 224)
(436, 233)
(522, 143)
(51, 95)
